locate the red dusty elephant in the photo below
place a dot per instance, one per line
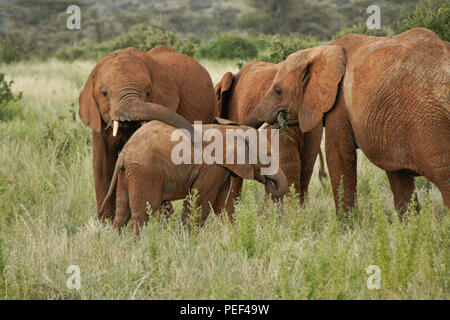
(239, 94)
(147, 172)
(130, 86)
(388, 96)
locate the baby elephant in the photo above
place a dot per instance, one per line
(148, 170)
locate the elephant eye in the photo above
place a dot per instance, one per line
(104, 93)
(148, 94)
(278, 91)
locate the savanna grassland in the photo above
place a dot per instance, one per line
(48, 222)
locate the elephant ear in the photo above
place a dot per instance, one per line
(323, 73)
(245, 170)
(88, 110)
(222, 90)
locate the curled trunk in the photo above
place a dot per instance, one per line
(253, 121)
(138, 110)
(277, 184)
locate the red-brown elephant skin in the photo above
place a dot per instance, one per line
(388, 96)
(146, 175)
(239, 94)
(130, 86)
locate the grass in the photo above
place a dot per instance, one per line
(48, 223)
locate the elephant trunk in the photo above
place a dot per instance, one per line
(138, 110)
(277, 184)
(253, 120)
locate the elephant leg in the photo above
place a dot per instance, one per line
(308, 155)
(226, 199)
(207, 195)
(104, 160)
(145, 188)
(445, 191)
(441, 178)
(123, 213)
(290, 160)
(341, 156)
(402, 186)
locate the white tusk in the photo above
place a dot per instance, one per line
(265, 125)
(115, 127)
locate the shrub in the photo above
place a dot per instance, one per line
(7, 96)
(140, 36)
(145, 37)
(13, 47)
(65, 134)
(228, 46)
(436, 19)
(88, 51)
(278, 48)
(360, 29)
(157, 37)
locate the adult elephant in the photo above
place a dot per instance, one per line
(388, 96)
(128, 87)
(239, 94)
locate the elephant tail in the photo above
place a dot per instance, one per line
(120, 164)
(322, 171)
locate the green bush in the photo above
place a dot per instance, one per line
(436, 19)
(278, 48)
(157, 37)
(87, 51)
(13, 47)
(361, 29)
(228, 46)
(7, 96)
(66, 135)
(140, 36)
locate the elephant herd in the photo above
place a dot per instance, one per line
(387, 96)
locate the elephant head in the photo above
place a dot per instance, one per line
(126, 87)
(276, 183)
(305, 86)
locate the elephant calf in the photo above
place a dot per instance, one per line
(147, 173)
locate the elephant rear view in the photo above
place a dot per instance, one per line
(129, 87)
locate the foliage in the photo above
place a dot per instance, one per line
(24, 34)
(359, 29)
(436, 19)
(146, 37)
(36, 29)
(280, 47)
(228, 46)
(6, 97)
(65, 133)
(13, 47)
(141, 37)
(320, 19)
